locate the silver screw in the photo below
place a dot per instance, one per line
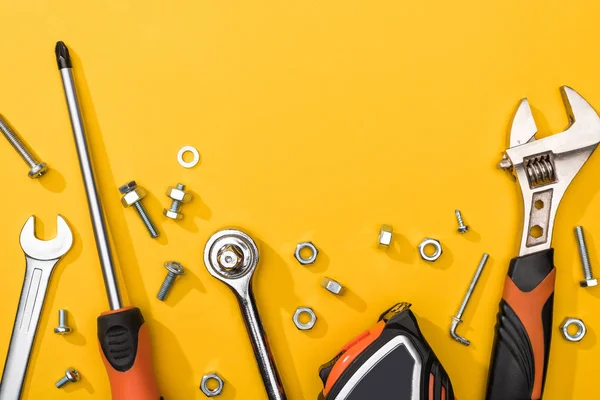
(71, 375)
(62, 328)
(141, 211)
(175, 269)
(585, 259)
(462, 228)
(37, 168)
(458, 318)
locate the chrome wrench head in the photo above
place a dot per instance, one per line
(231, 256)
(546, 167)
(46, 249)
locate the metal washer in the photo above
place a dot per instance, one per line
(195, 154)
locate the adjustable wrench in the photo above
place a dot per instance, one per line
(41, 257)
(231, 256)
(544, 169)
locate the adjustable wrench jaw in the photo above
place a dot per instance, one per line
(544, 168)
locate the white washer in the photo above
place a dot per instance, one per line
(195, 154)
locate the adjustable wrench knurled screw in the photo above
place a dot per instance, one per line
(132, 196)
(37, 168)
(175, 269)
(71, 375)
(231, 256)
(589, 279)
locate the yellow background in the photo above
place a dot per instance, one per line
(315, 121)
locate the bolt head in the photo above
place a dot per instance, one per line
(172, 214)
(72, 375)
(178, 194)
(230, 257)
(62, 330)
(463, 229)
(174, 267)
(331, 285)
(38, 170)
(128, 187)
(385, 236)
(133, 196)
(589, 283)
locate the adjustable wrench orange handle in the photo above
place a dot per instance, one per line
(524, 329)
(127, 354)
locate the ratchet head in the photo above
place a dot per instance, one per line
(231, 256)
(46, 249)
(545, 167)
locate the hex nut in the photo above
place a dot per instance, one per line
(212, 377)
(178, 194)
(436, 254)
(385, 236)
(311, 322)
(172, 214)
(331, 285)
(581, 329)
(133, 197)
(308, 260)
(588, 282)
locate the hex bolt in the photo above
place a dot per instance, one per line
(175, 269)
(462, 228)
(62, 328)
(37, 168)
(178, 197)
(71, 375)
(589, 279)
(457, 319)
(132, 196)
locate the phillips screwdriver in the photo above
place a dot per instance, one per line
(124, 337)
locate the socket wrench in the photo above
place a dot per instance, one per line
(231, 256)
(41, 257)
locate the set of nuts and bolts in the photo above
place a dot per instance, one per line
(134, 194)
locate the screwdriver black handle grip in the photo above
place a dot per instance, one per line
(127, 354)
(524, 329)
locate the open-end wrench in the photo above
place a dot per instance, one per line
(231, 256)
(544, 169)
(41, 257)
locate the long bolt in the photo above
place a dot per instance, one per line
(462, 228)
(589, 279)
(62, 328)
(458, 318)
(37, 168)
(138, 206)
(175, 269)
(71, 375)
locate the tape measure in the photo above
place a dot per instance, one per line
(390, 361)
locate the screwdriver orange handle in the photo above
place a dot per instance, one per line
(524, 329)
(127, 354)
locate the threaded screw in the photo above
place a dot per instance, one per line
(178, 196)
(71, 375)
(132, 196)
(589, 279)
(37, 168)
(62, 328)
(462, 228)
(175, 269)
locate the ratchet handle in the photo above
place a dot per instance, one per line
(127, 354)
(524, 329)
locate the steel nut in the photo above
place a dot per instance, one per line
(133, 197)
(437, 249)
(577, 336)
(331, 285)
(385, 236)
(172, 214)
(212, 392)
(311, 322)
(588, 283)
(178, 194)
(313, 253)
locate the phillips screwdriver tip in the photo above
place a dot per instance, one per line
(62, 55)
